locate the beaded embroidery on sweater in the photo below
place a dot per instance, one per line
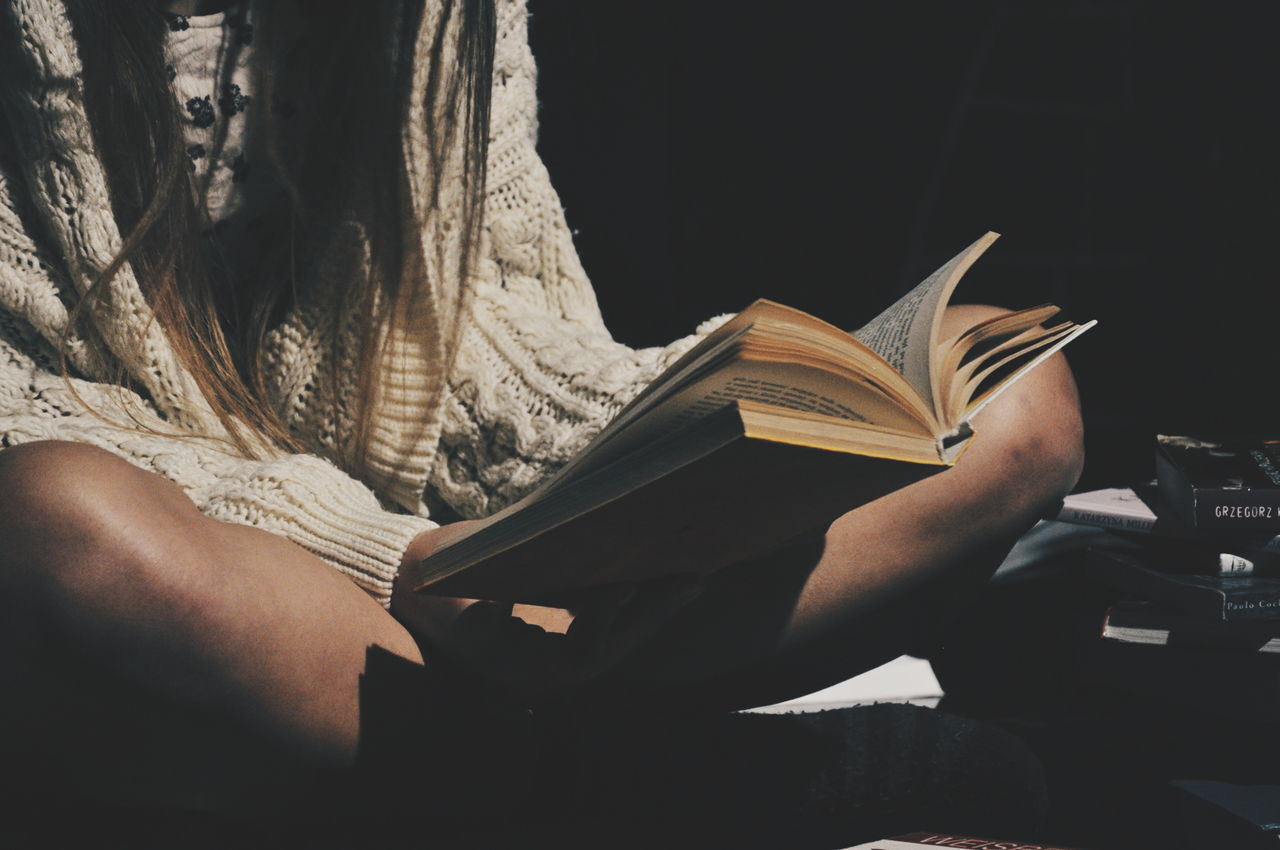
(208, 66)
(536, 375)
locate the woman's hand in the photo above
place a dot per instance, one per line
(524, 662)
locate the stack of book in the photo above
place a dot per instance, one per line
(1136, 641)
(1195, 553)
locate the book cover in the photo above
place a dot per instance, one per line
(1223, 598)
(711, 497)
(1230, 484)
(1121, 508)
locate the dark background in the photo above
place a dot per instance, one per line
(831, 155)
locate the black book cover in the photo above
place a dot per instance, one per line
(1227, 598)
(1221, 483)
(1223, 814)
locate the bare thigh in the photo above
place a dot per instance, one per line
(149, 643)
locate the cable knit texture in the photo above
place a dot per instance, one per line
(537, 373)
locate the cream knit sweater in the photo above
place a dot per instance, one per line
(536, 375)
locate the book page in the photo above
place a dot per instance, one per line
(977, 405)
(906, 333)
(786, 386)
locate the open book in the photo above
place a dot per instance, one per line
(773, 425)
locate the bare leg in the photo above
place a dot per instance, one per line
(829, 609)
(246, 650)
(108, 573)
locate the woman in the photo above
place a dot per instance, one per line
(280, 290)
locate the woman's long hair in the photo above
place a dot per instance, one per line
(341, 162)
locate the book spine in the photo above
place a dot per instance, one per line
(1100, 519)
(1243, 606)
(1239, 508)
(1219, 507)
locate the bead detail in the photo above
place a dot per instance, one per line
(201, 110)
(232, 100)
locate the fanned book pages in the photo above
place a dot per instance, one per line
(773, 425)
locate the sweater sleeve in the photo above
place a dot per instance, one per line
(301, 497)
(537, 373)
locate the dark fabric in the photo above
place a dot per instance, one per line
(825, 779)
(442, 760)
(452, 773)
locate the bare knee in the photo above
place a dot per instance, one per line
(58, 473)
(81, 524)
(1030, 438)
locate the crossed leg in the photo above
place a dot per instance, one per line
(233, 658)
